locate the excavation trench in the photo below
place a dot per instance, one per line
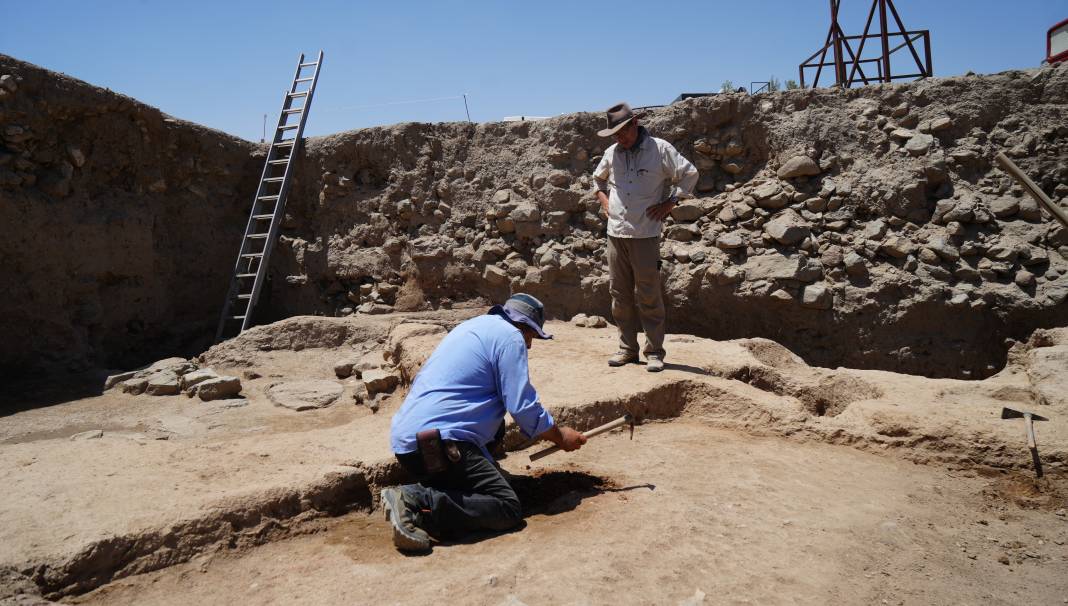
(279, 514)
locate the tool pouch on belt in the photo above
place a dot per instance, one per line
(437, 453)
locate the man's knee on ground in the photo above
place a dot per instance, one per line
(511, 514)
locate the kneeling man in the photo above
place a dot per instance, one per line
(453, 418)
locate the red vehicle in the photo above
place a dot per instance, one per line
(1057, 43)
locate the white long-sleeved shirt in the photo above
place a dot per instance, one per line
(634, 179)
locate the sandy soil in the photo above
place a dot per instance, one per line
(682, 513)
(757, 477)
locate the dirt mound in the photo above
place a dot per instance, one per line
(293, 334)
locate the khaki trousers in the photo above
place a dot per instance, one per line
(634, 281)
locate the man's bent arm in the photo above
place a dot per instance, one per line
(602, 197)
(520, 398)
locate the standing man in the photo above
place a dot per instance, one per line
(639, 181)
(453, 417)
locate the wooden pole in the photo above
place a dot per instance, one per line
(1036, 192)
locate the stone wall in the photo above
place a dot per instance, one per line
(864, 228)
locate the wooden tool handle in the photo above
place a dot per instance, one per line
(1036, 192)
(589, 434)
(1030, 432)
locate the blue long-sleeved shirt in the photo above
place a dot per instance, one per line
(477, 373)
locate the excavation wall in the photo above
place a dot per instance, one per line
(864, 228)
(118, 224)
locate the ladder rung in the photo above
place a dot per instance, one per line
(253, 255)
(262, 217)
(288, 143)
(293, 111)
(304, 79)
(302, 93)
(288, 126)
(257, 236)
(279, 162)
(308, 64)
(274, 179)
(268, 197)
(246, 275)
(236, 318)
(244, 296)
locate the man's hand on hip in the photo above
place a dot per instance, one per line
(603, 199)
(659, 212)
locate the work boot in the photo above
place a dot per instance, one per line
(406, 535)
(622, 357)
(654, 363)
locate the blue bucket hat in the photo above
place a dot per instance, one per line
(525, 309)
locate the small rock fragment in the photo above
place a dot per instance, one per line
(92, 434)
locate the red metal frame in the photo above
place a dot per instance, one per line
(1061, 56)
(839, 42)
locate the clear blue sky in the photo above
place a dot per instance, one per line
(226, 63)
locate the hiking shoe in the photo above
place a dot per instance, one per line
(621, 357)
(654, 364)
(406, 535)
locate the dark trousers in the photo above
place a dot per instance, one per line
(471, 495)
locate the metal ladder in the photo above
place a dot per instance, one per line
(268, 207)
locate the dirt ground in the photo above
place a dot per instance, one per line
(683, 514)
(753, 477)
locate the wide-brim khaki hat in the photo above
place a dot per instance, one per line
(618, 116)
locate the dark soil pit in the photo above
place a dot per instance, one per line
(553, 492)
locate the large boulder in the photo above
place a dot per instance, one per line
(162, 383)
(788, 228)
(919, 144)
(380, 381)
(731, 240)
(798, 166)
(773, 267)
(191, 380)
(817, 296)
(218, 388)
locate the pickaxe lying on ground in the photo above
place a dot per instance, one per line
(1028, 417)
(624, 420)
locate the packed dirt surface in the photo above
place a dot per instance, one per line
(866, 227)
(748, 464)
(683, 514)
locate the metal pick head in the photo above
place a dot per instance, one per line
(1009, 413)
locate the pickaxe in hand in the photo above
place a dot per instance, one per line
(624, 420)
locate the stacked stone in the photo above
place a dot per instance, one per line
(173, 376)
